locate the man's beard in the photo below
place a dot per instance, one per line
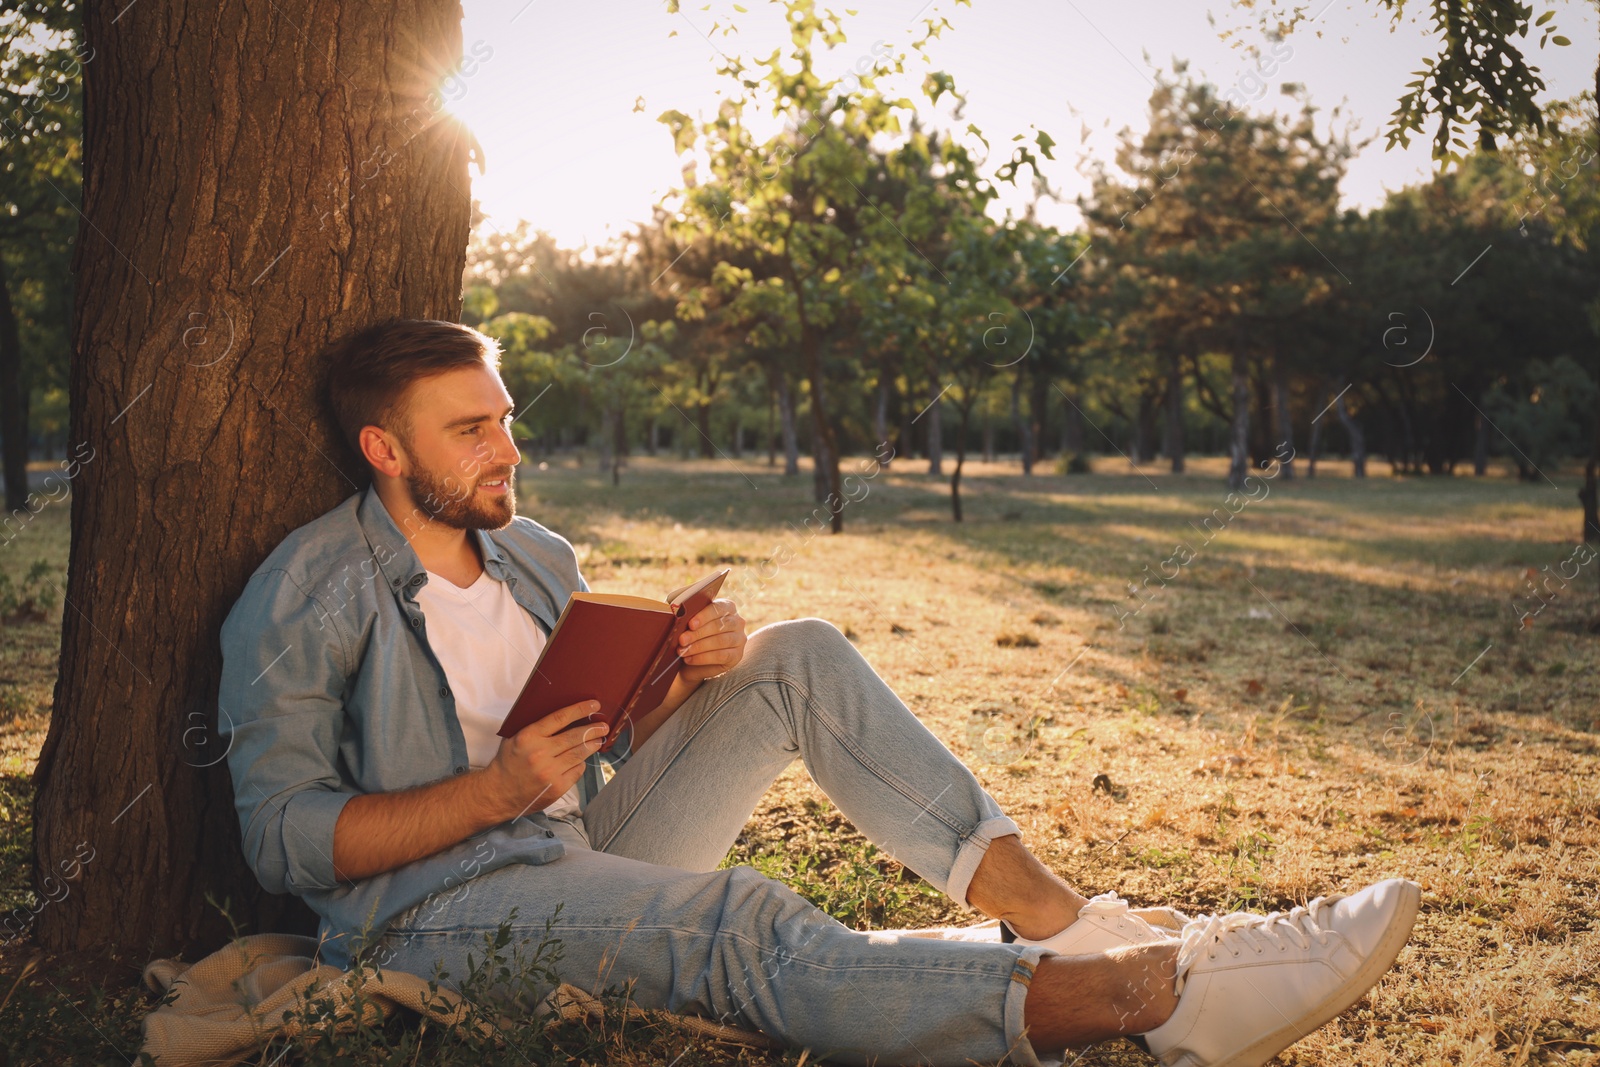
(454, 502)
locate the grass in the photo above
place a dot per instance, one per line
(1346, 681)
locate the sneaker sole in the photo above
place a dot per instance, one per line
(1382, 958)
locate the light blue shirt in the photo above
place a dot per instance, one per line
(329, 690)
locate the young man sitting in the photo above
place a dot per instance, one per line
(372, 657)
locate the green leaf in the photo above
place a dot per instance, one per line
(1560, 40)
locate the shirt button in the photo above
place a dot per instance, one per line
(416, 581)
(416, 621)
(444, 690)
(461, 770)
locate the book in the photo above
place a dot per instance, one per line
(619, 650)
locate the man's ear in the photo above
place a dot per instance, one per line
(381, 449)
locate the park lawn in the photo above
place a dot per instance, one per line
(1332, 686)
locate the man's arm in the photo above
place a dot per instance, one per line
(378, 832)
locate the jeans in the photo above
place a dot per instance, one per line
(642, 900)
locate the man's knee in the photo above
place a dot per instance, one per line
(795, 642)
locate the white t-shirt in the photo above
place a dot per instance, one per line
(487, 644)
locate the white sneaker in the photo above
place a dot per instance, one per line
(1250, 986)
(1107, 922)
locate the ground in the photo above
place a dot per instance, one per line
(1317, 684)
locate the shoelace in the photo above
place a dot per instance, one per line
(1107, 903)
(1207, 933)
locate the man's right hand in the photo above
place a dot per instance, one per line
(540, 762)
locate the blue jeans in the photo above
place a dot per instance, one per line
(642, 898)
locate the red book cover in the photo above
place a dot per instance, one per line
(619, 650)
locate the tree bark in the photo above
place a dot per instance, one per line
(13, 403)
(961, 458)
(934, 427)
(880, 411)
(1175, 442)
(791, 437)
(1024, 425)
(702, 420)
(1072, 430)
(619, 443)
(1144, 428)
(1480, 446)
(1239, 438)
(1358, 439)
(1282, 422)
(290, 201)
(608, 438)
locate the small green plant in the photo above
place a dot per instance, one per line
(861, 887)
(1242, 869)
(1077, 463)
(31, 601)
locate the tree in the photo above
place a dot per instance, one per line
(1206, 251)
(41, 64)
(804, 204)
(203, 305)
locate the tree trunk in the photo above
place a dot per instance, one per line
(1282, 422)
(738, 437)
(880, 412)
(908, 429)
(1314, 447)
(988, 436)
(1358, 439)
(702, 420)
(207, 455)
(1038, 402)
(1144, 429)
(1480, 446)
(1072, 430)
(13, 403)
(961, 458)
(934, 427)
(1175, 442)
(651, 438)
(608, 439)
(1024, 425)
(1239, 438)
(791, 436)
(619, 443)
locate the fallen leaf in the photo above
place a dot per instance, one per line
(1253, 686)
(1181, 694)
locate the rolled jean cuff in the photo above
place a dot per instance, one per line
(1022, 972)
(971, 853)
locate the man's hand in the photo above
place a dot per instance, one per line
(714, 642)
(542, 760)
(377, 832)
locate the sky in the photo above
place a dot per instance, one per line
(564, 98)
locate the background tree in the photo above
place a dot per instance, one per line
(41, 66)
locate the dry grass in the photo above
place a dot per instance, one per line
(1336, 689)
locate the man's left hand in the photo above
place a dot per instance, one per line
(713, 643)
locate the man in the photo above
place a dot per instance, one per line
(372, 657)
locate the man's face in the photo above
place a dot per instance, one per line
(458, 449)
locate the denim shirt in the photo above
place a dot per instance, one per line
(329, 690)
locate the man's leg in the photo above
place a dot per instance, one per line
(802, 690)
(746, 950)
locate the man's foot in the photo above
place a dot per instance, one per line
(1107, 922)
(1250, 986)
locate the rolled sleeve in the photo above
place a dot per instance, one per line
(284, 672)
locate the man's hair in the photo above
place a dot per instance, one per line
(371, 369)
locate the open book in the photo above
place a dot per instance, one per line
(619, 650)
